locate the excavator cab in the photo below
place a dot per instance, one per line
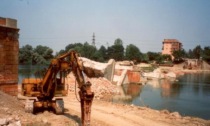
(31, 88)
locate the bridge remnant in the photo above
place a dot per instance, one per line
(9, 48)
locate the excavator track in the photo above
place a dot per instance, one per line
(59, 106)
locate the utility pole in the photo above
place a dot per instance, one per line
(93, 40)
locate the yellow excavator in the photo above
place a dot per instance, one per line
(47, 92)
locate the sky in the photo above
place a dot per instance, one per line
(144, 23)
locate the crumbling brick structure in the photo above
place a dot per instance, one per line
(9, 48)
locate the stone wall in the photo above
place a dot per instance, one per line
(9, 48)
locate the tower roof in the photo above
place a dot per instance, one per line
(171, 40)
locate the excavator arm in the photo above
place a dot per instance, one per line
(69, 62)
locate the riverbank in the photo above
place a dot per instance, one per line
(178, 70)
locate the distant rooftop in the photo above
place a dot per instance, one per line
(171, 40)
(8, 22)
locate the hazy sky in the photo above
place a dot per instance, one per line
(144, 23)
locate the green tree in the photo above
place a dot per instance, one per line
(39, 55)
(73, 46)
(133, 53)
(166, 57)
(44, 51)
(163, 59)
(206, 54)
(116, 51)
(152, 56)
(88, 50)
(38, 59)
(26, 54)
(60, 52)
(118, 41)
(197, 52)
(103, 52)
(42, 54)
(160, 59)
(78, 47)
(145, 58)
(178, 55)
(190, 54)
(98, 56)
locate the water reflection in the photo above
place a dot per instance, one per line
(128, 92)
(30, 71)
(133, 90)
(188, 94)
(170, 89)
(199, 83)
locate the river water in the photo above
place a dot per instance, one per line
(188, 94)
(29, 71)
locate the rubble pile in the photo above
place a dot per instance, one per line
(10, 121)
(100, 86)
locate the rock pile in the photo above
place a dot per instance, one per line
(100, 86)
(10, 121)
(159, 74)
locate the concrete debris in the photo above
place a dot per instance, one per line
(122, 78)
(119, 66)
(141, 65)
(155, 74)
(100, 86)
(165, 111)
(159, 74)
(126, 63)
(3, 121)
(171, 74)
(9, 122)
(97, 69)
(176, 115)
(93, 64)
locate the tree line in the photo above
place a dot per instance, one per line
(38, 55)
(43, 54)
